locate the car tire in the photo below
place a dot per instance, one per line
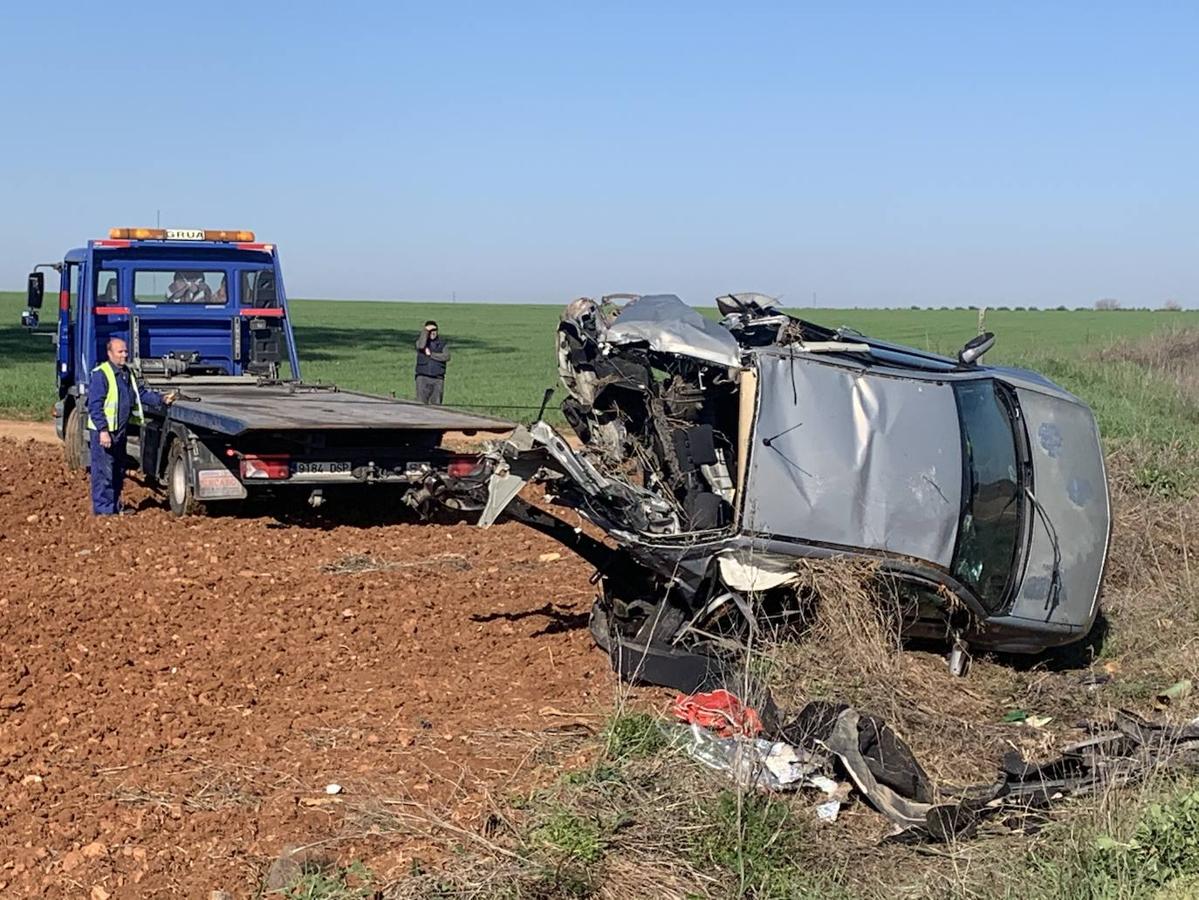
(180, 493)
(73, 444)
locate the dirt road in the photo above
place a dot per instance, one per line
(175, 695)
(19, 430)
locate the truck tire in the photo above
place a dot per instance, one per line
(180, 493)
(72, 441)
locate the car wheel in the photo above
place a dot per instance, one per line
(180, 493)
(72, 440)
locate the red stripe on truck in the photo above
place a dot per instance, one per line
(273, 312)
(112, 310)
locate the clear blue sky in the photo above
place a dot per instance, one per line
(1015, 153)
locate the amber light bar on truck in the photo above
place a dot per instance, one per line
(179, 234)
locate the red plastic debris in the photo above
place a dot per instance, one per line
(718, 711)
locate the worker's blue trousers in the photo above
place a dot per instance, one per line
(108, 475)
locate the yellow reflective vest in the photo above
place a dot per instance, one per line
(136, 416)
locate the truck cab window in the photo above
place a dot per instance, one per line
(70, 283)
(107, 293)
(178, 286)
(258, 289)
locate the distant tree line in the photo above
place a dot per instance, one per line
(1111, 303)
(1106, 304)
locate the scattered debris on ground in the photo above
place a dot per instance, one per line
(826, 740)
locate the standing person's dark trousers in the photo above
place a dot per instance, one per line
(430, 389)
(108, 475)
(432, 356)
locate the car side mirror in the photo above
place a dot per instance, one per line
(37, 289)
(975, 348)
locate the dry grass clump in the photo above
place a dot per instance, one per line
(1151, 589)
(843, 612)
(1153, 536)
(849, 649)
(1173, 354)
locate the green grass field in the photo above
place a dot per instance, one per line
(503, 355)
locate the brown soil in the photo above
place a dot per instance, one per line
(175, 695)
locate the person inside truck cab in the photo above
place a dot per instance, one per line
(222, 293)
(189, 287)
(114, 402)
(177, 289)
(109, 297)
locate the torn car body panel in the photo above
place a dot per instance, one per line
(716, 455)
(841, 456)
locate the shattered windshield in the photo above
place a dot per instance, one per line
(990, 523)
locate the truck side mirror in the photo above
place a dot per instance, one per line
(37, 288)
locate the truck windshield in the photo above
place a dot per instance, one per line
(188, 286)
(989, 529)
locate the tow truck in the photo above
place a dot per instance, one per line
(204, 312)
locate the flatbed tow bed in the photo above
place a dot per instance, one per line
(205, 313)
(236, 409)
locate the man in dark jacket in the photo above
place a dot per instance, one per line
(114, 402)
(432, 354)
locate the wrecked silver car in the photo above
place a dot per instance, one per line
(716, 454)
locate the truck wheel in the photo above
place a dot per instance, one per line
(180, 493)
(72, 440)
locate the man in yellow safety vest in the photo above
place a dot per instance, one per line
(114, 402)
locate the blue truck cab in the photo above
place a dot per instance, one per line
(204, 312)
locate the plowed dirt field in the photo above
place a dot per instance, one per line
(175, 695)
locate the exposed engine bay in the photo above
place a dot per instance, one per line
(658, 421)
